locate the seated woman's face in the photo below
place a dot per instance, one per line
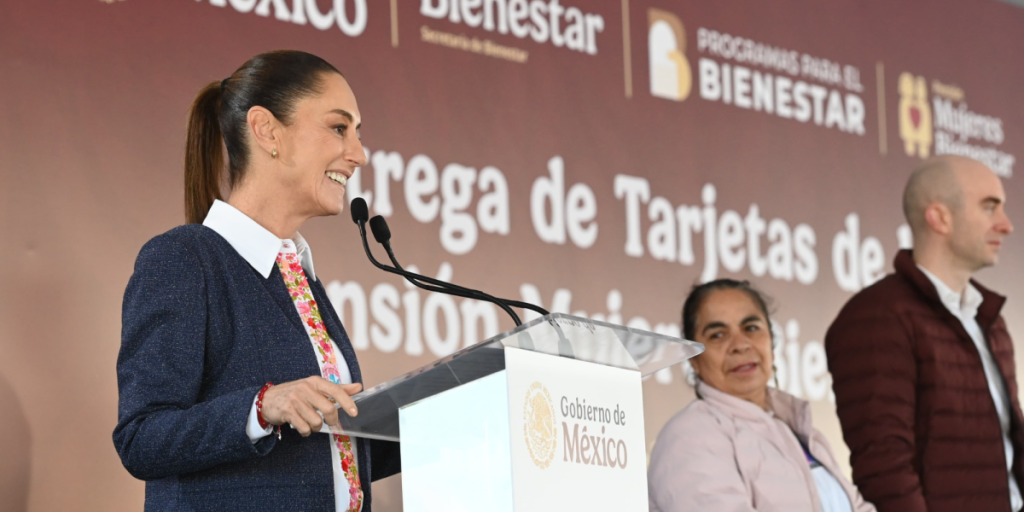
(738, 348)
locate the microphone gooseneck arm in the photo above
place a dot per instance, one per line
(449, 288)
(435, 285)
(382, 233)
(359, 214)
(513, 303)
(438, 286)
(413, 278)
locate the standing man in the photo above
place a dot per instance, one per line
(923, 364)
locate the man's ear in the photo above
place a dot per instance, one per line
(264, 127)
(939, 218)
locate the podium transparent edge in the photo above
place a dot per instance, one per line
(607, 344)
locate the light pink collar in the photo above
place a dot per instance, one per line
(792, 411)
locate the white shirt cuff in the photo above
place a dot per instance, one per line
(253, 428)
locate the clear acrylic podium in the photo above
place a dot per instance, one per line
(547, 416)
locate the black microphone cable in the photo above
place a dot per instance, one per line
(360, 212)
(382, 233)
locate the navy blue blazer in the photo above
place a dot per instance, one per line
(202, 331)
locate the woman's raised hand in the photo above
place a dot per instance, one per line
(298, 402)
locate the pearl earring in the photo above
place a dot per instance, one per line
(273, 154)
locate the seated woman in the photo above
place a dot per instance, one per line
(742, 446)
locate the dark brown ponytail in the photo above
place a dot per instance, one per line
(275, 81)
(203, 154)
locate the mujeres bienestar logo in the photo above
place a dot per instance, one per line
(915, 115)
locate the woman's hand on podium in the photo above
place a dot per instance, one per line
(308, 403)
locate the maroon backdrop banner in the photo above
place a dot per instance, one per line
(595, 157)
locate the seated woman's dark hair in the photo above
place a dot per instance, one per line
(275, 81)
(699, 293)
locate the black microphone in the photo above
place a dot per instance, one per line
(382, 233)
(360, 212)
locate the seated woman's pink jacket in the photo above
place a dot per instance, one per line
(725, 454)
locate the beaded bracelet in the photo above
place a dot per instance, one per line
(259, 405)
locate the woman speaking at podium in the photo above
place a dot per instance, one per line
(227, 335)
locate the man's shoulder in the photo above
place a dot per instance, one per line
(892, 291)
(891, 299)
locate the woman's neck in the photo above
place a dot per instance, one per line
(759, 398)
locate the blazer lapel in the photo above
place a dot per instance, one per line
(274, 285)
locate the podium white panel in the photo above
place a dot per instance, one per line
(577, 435)
(546, 434)
(455, 449)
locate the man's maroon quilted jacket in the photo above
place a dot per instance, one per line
(914, 402)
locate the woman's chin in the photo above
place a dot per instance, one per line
(331, 196)
(748, 382)
(331, 207)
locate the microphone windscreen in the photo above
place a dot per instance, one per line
(381, 231)
(359, 210)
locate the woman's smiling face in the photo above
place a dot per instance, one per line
(321, 148)
(738, 345)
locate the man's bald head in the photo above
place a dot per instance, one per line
(934, 181)
(955, 207)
